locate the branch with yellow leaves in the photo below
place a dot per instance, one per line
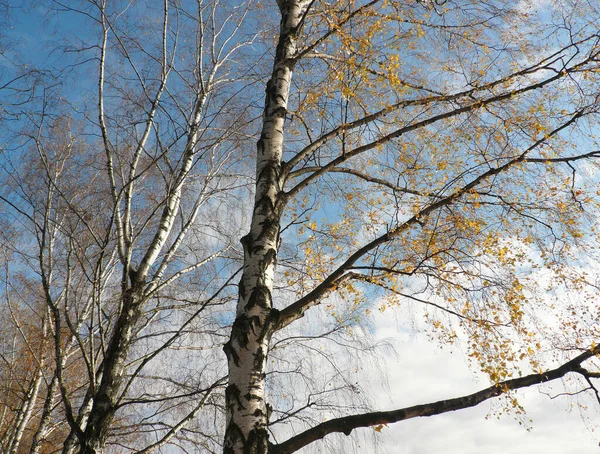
(297, 309)
(548, 64)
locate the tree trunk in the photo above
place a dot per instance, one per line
(247, 347)
(43, 428)
(105, 399)
(26, 410)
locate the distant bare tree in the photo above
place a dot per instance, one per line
(123, 235)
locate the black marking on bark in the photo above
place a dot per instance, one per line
(260, 148)
(246, 241)
(270, 172)
(240, 331)
(260, 296)
(254, 322)
(265, 206)
(268, 87)
(270, 258)
(233, 436)
(281, 112)
(272, 319)
(233, 394)
(242, 289)
(270, 229)
(257, 442)
(259, 357)
(274, 96)
(230, 353)
(250, 396)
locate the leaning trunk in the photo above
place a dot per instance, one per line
(247, 348)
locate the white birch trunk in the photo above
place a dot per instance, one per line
(26, 411)
(44, 426)
(246, 350)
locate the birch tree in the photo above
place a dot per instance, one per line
(433, 154)
(120, 208)
(421, 131)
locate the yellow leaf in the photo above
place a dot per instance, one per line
(379, 427)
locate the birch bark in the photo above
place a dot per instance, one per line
(44, 426)
(105, 400)
(26, 411)
(255, 321)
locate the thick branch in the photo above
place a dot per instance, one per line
(296, 310)
(348, 423)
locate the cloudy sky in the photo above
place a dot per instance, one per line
(423, 373)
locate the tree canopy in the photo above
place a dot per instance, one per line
(206, 205)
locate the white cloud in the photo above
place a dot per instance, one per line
(423, 373)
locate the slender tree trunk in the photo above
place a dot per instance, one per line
(42, 431)
(255, 320)
(29, 403)
(26, 410)
(105, 399)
